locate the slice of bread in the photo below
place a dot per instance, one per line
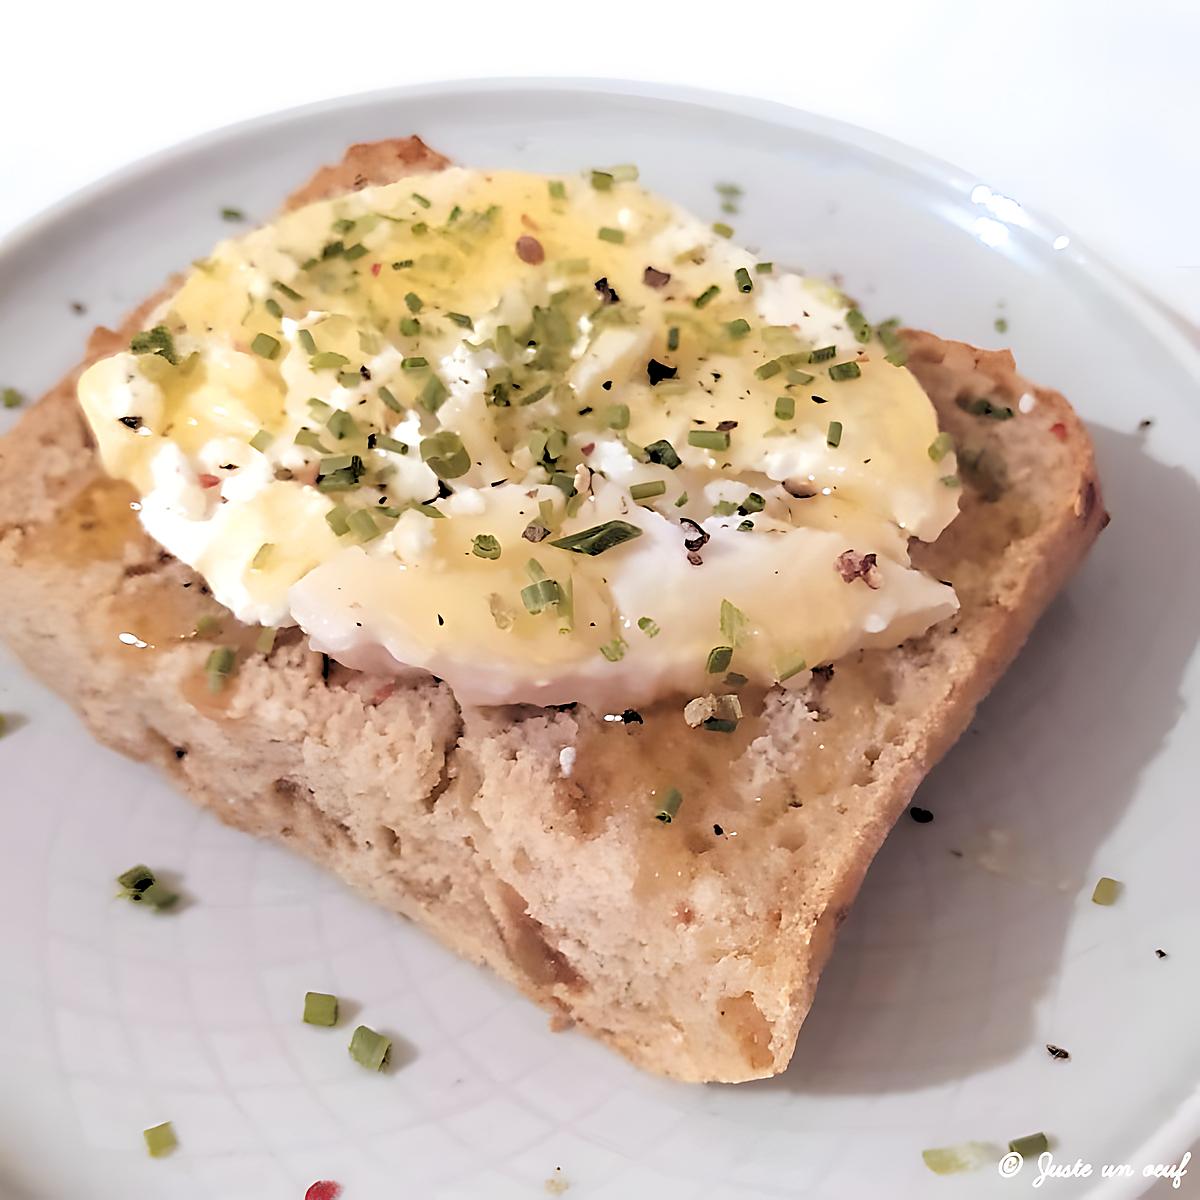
(693, 948)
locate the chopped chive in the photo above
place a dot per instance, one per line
(737, 328)
(150, 341)
(433, 394)
(1000, 325)
(273, 307)
(607, 234)
(624, 173)
(539, 595)
(484, 545)
(742, 278)
(219, 666)
(413, 301)
(724, 508)
(709, 439)
(232, 214)
(445, 455)
(950, 481)
(574, 266)
(383, 442)
(722, 230)
(136, 879)
(420, 200)
(669, 808)
(663, 453)
(558, 189)
(336, 519)
(614, 651)
(753, 503)
(648, 627)
(719, 658)
(413, 363)
(369, 1049)
(846, 370)
(647, 491)
(799, 378)
(1106, 891)
(673, 338)
(792, 668)
(859, 325)
(325, 360)
(320, 1008)
(706, 295)
(734, 623)
(265, 642)
(362, 524)
(309, 439)
(617, 416)
(307, 342)
(1030, 1146)
(950, 1160)
(262, 440)
(160, 1139)
(833, 436)
(764, 268)
(420, 228)
(385, 394)
(262, 556)
(460, 319)
(602, 181)
(823, 354)
(735, 679)
(683, 499)
(290, 293)
(728, 189)
(13, 398)
(355, 251)
(598, 538)
(785, 408)
(941, 446)
(982, 407)
(768, 369)
(342, 425)
(409, 326)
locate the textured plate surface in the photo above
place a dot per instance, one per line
(974, 942)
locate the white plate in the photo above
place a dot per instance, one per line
(930, 1025)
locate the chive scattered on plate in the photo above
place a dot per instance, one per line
(1106, 891)
(320, 1008)
(160, 1139)
(1031, 1145)
(669, 808)
(370, 1049)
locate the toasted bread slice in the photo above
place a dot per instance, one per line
(692, 951)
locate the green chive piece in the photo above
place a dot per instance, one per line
(673, 338)
(265, 642)
(745, 526)
(362, 524)
(484, 545)
(792, 668)
(982, 407)
(232, 214)
(647, 491)
(764, 268)
(420, 200)
(535, 570)
(386, 395)
(722, 230)
(413, 301)
(433, 394)
(355, 251)
(136, 879)
(1106, 891)
(540, 595)
(834, 435)
(558, 189)
(950, 481)
(325, 360)
(753, 503)
(617, 416)
(824, 354)
(150, 341)
(420, 228)
(602, 181)
(219, 666)
(859, 325)
(941, 446)
(290, 293)
(669, 808)
(12, 398)
(349, 379)
(625, 173)
(846, 370)
(706, 295)
(573, 266)
(155, 896)
(742, 278)
(445, 455)
(262, 556)
(370, 1049)
(734, 624)
(337, 520)
(160, 1139)
(724, 508)
(1001, 325)
(1030, 1146)
(768, 369)
(738, 328)
(607, 234)
(207, 625)
(273, 307)
(785, 408)
(614, 651)
(409, 326)
(648, 627)
(709, 439)
(663, 453)
(341, 424)
(598, 538)
(735, 679)
(460, 319)
(309, 439)
(320, 1008)
(731, 190)
(307, 342)
(795, 378)
(719, 658)
(413, 363)
(383, 442)
(950, 1160)
(683, 499)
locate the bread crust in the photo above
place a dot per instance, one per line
(693, 953)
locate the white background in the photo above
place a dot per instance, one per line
(1085, 109)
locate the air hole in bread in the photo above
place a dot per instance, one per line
(743, 1021)
(525, 939)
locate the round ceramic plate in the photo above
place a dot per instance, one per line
(974, 943)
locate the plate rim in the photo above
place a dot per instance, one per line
(1170, 329)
